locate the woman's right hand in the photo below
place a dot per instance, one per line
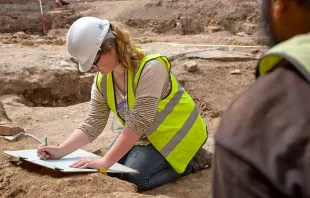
(49, 152)
(75, 141)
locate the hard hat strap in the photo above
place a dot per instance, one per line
(109, 35)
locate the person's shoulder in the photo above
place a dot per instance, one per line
(267, 109)
(154, 66)
(154, 63)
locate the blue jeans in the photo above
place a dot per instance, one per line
(154, 170)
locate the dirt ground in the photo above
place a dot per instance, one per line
(44, 93)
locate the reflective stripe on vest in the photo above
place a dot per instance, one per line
(178, 131)
(295, 50)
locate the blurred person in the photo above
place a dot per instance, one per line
(262, 145)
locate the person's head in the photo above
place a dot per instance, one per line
(101, 45)
(284, 19)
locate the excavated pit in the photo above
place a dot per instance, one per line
(44, 84)
(194, 17)
(25, 15)
(49, 97)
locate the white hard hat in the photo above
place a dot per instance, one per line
(84, 39)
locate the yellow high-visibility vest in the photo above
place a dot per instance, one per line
(295, 50)
(178, 131)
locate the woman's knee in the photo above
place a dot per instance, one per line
(146, 160)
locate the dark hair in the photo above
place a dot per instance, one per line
(304, 3)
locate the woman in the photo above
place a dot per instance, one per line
(163, 132)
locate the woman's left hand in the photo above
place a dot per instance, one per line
(88, 163)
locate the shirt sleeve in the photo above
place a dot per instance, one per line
(149, 91)
(97, 115)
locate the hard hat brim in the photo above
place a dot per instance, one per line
(87, 65)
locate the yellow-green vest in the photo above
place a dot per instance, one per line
(178, 131)
(295, 50)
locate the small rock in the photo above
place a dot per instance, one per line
(67, 63)
(54, 104)
(190, 66)
(6, 125)
(212, 29)
(48, 42)
(28, 43)
(242, 34)
(145, 40)
(16, 40)
(59, 181)
(4, 118)
(34, 37)
(45, 187)
(230, 48)
(98, 152)
(9, 174)
(10, 129)
(50, 37)
(6, 42)
(156, 3)
(236, 71)
(195, 180)
(249, 28)
(6, 36)
(59, 42)
(5, 179)
(40, 41)
(21, 35)
(256, 51)
(67, 116)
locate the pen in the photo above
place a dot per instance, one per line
(45, 142)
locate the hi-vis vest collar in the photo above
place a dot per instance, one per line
(178, 131)
(105, 82)
(295, 50)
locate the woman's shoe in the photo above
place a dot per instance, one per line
(202, 160)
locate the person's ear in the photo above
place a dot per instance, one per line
(278, 7)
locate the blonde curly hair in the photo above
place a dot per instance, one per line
(129, 55)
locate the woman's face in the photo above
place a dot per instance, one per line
(106, 63)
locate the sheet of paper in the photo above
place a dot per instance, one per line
(64, 163)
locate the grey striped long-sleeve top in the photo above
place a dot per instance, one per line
(154, 84)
